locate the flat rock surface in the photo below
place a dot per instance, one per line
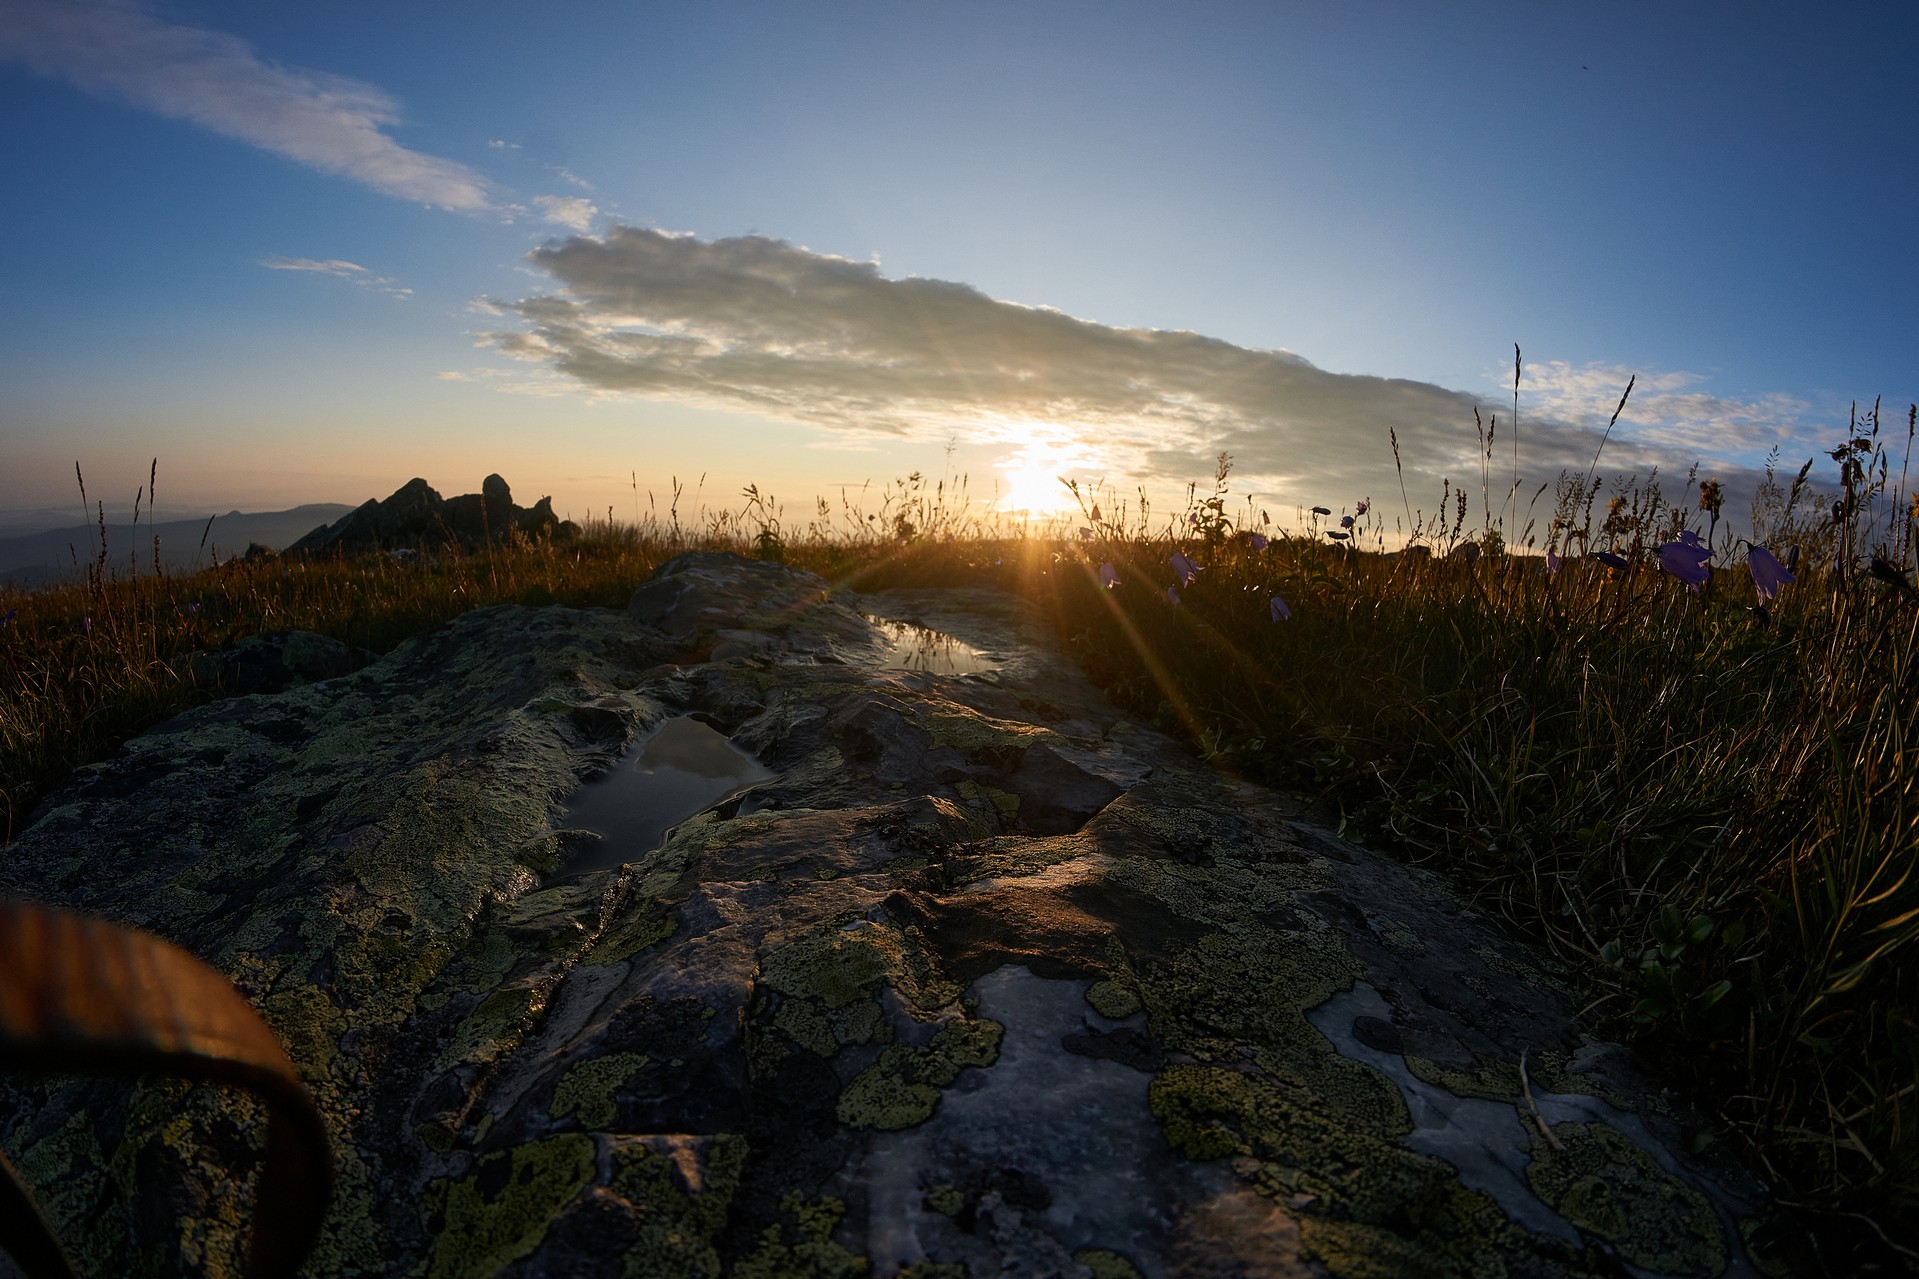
(986, 980)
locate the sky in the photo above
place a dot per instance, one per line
(303, 253)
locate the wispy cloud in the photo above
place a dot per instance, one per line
(217, 81)
(571, 211)
(762, 325)
(339, 269)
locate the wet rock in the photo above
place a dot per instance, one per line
(986, 980)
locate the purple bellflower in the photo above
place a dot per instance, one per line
(1277, 610)
(1768, 574)
(1172, 595)
(1184, 569)
(1362, 506)
(1552, 562)
(1686, 561)
(1259, 541)
(1611, 561)
(1108, 576)
(1322, 510)
(1345, 521)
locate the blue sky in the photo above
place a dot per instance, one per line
(297, 253)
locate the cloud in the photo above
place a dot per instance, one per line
(567, 210)
(762, 325)
(340, 270)
(216, 81)
(501, 144)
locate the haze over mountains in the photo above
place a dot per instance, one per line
(62, 554)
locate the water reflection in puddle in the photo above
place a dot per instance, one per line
(912, 647)
(683, 767)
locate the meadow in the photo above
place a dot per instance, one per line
(1689, 780)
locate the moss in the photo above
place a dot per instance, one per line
(803, 1249)
(482, 1223)
(1603, 1182)
(903, 1087)
(679, 1198)
(437, 1137)
(1104, 1263)
(1359, 1250)
(932, 1270)
(587, 1088)
(1112, 1000)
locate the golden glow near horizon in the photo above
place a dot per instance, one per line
(1029, 477)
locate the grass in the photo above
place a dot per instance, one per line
(1707, 810)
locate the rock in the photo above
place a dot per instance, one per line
(278, 660)
(415, 515)
(987, 980)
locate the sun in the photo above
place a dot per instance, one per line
(1030, 478)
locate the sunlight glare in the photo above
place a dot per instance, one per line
(1030, 476)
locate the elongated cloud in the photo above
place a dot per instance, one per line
(758, 324)
(216, 81)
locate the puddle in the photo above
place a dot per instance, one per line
(912, 647)
(681, 768)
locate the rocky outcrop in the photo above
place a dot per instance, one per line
(416, 516)
(987, 980)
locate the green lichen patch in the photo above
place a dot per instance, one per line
(946, 1199)
(679, 1191)
(484, 1222)
(839, 967)
(630, 933)
(1374, 1198)
(586, 1089)
(1604, 1182)
(1112, 999)
(494, 1027)
(932, 1270)
(803, 1247)
(902, 1088)
(1496, 1081)
(1104, 1263)
(978, 736)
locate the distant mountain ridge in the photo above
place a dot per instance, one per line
(62, 554)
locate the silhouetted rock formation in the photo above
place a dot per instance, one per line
(416, 515)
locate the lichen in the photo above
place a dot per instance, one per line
(805, 1248)
(493, 1028)
(484, 1222)
(586, 1089)
(1112, 1000)
(839, 967)
(902, 1088)
(1495, 1081)
(1604, 1182)
(1104, 1263)
(628, 935)
(679, 1191)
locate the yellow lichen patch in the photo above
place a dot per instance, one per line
(1602, 1181)
(903, 1087)
(587, 1088)
(482, 1223)
(308, 1026)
